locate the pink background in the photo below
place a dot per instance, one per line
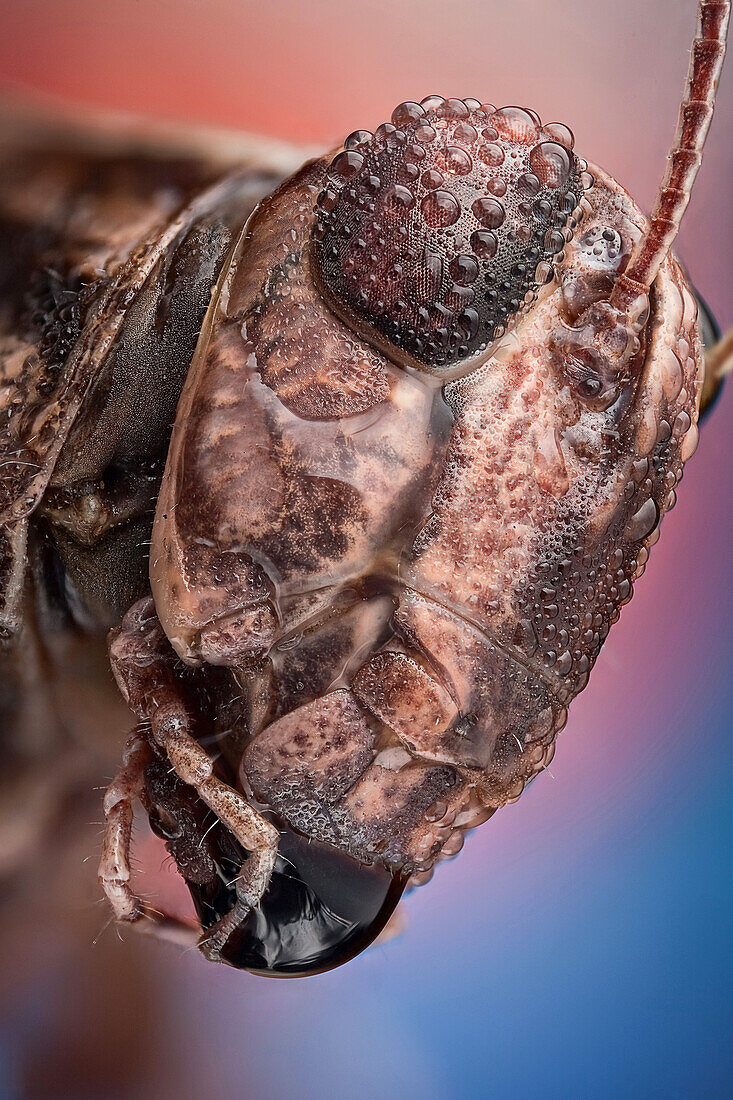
(580, 945)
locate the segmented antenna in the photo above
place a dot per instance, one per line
(696, 111)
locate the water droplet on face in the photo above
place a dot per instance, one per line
(516, 123)
(643, 522)
(464, 270)
(551, 163)
(440, 209)
(406, 113)
(489, 212)
(484, 244)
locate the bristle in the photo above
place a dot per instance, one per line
(696, 111)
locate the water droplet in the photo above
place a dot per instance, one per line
(489, 212)
(440, 208)
(406, 113)
(465, 132)
(643, 521)
(468, 323)
(414, 154)
(491, 154)
(551, 163)
(554, 241)
(398, 200)
(431, 102)
(359, 137)
(456, 161)
(562, 133)
(432, 179)
(528, 184)
(346, 165)
(464, 270)
(424, 133)
(452, 108)
(516, 123)
(484, 244)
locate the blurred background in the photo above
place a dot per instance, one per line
(581, 944)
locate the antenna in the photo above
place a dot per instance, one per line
(696, 111)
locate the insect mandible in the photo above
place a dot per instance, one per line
(425, 429)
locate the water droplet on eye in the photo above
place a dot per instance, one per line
(554, 241)
(542, 209)
(484, 244)
(588, 180)
(551, 163)
(432, 179)
(544, 273)
(452, 108)
(431, 102)
(359, 137)
(465, 132)
(491, 154)
(528, 184)
(407, 112)
(468, 323)
(457, 161)
(464, 270)
(383, 132)
(516, 123)
(424, 132)
(562, 133)
(408, 173)
(398, 200)
(496, 187)
(346, 165)
(414, 154)
(489, 212)
(327, 200)
(440, 208)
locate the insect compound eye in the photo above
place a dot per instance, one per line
(436, 231)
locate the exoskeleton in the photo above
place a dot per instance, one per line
(430, 399)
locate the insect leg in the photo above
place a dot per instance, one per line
(114, 865)
(146, 670)
(195, 767)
